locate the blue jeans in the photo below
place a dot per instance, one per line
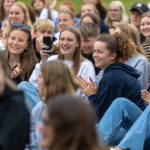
(138, 136)
(31, 94)
(117, 120)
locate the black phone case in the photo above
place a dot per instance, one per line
(48, 42)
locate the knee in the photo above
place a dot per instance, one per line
(23, 84)
(26, 86)
(120, 100)
(123, 102)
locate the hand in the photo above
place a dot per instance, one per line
(145, 96)
(88, 88)
(115, 24)
(16, 72)
(55, 46)
(117, 148)
(52, 5)
(44, 53)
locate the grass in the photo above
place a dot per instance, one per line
(78, 3)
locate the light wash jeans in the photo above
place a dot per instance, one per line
(117, 120)
(123, 114)
(31, 94)
(138, 136)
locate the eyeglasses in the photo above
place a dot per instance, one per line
(113, 10)
(23, 26)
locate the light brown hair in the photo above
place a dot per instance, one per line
(2, 11)
(5, 67)
(120, 44)
(58, 79)
(89, 30)
(77, 58)
(73, 121)
(147, 14)
(44, 24)
(123, 19)
(133, 34)
(92, 6)
(26, 21)
(69, 12)
(94, 17)
(28, 58)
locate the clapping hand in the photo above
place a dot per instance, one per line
(88, 87)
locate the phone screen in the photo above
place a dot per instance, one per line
(48, 42)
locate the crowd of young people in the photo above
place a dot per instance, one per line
(74, 81)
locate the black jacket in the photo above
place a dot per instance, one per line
(14, 120)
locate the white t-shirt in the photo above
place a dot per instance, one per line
(44, 14)
(86, 70)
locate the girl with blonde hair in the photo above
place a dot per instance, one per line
(145, 20)
(18, 13)
(4, 11)
(116, 13)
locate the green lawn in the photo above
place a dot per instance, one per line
(78, 3)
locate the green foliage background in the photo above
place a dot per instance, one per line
(78, 3)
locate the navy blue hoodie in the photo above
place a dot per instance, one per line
(119, 80)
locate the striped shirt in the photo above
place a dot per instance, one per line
(146, 48)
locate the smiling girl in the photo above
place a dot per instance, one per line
(19, 52)
(70, 53)
(4, 11)
(145, 29)
(18, 13)
(116, 13)
(118, 79)
(65, 19)
(41, 11)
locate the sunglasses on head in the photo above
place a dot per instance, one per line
(23, 26)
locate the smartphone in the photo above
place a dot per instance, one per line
(48, 42)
